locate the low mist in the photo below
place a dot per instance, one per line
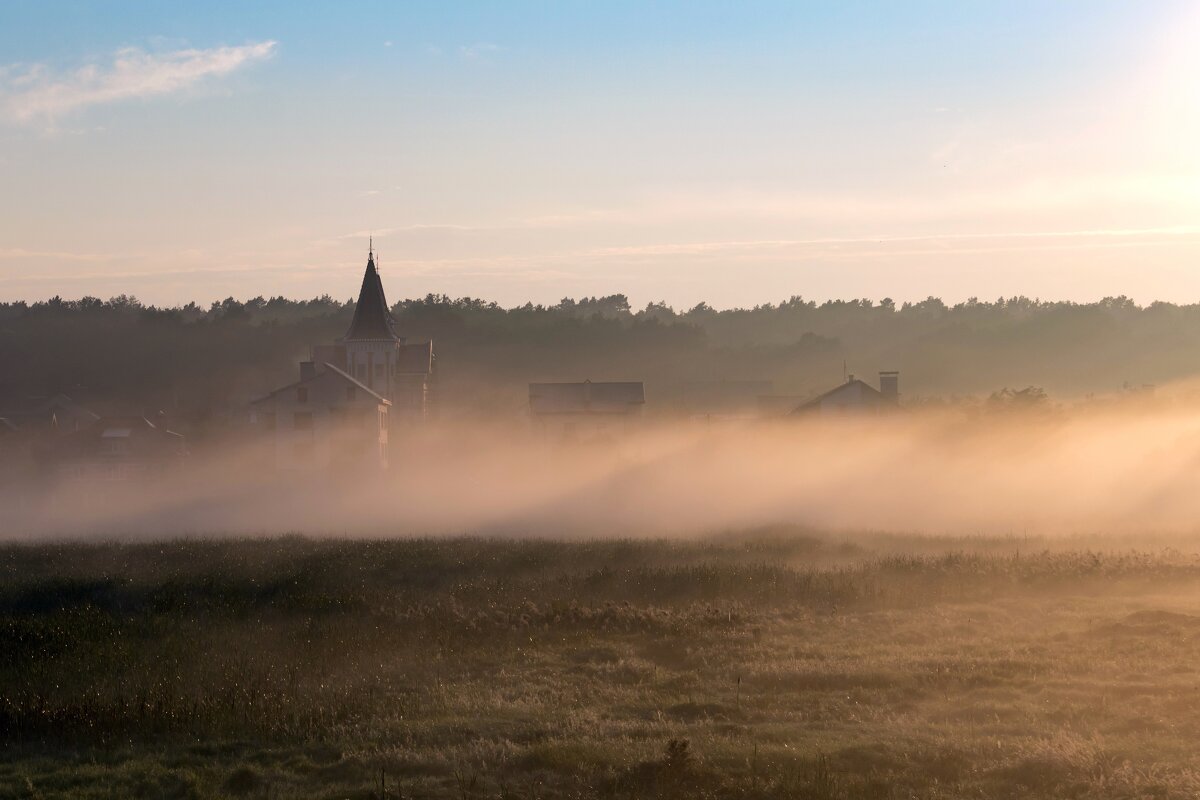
(1115, 469)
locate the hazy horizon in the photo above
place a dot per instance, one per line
(616, 477)
(207, 302)
(682, 153)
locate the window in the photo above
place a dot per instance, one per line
(350, 392)
(379, 370)
(302, 394)
(360, 371)
(302, 420)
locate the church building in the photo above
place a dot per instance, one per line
(374, 354)
(352, 393)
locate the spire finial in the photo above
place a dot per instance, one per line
(370, 247)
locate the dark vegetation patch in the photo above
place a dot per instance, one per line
(746, 667)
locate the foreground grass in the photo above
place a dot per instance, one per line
(761, 667)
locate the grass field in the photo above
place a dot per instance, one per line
(765, 665)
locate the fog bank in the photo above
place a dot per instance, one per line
(1120, 470)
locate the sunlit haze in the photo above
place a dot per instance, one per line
(600, 400)
(723, 152)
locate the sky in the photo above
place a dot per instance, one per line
(736, 153)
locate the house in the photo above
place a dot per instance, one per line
(352, 393)
(117, 449)
(324, 420)
(778, 405)
(586, 410)
(857, 397)
(54, 414)
(30, 428)
(373, 353)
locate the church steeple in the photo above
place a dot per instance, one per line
(372, 320)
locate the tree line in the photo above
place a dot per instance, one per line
(121, 353)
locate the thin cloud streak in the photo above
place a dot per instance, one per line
(477, 51)
(695, 248)
(31, 93)
(548, 265)
(19, 253)
(827, 247)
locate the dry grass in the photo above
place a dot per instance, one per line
(759, 666)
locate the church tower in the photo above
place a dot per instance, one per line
(375, 355)
(371, 342)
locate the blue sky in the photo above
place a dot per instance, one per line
(736, 153)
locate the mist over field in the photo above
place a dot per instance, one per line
(1131, 465)
(1110, 446)
(647, 400)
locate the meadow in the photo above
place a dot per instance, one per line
(768, 664)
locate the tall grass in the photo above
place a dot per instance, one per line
(573, 664)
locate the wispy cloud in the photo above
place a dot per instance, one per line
(383, 233)
(995, 239)
(23, 254)
(477, 51)
(32, 93)
(378, 233)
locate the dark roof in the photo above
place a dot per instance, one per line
(137, 430)
(870, 394)
(24, 412)
(415, 359)
(331, 368)
(372, 320)
(586, 397)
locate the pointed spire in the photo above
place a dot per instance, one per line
(372, 319)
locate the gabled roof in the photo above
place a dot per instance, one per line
(869, 394)
(121, 427)
(586, 397)
(21, 411)
(124, 427)
(372, 320)
(350, 378)
(336, 372)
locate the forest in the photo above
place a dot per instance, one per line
(123, 355)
